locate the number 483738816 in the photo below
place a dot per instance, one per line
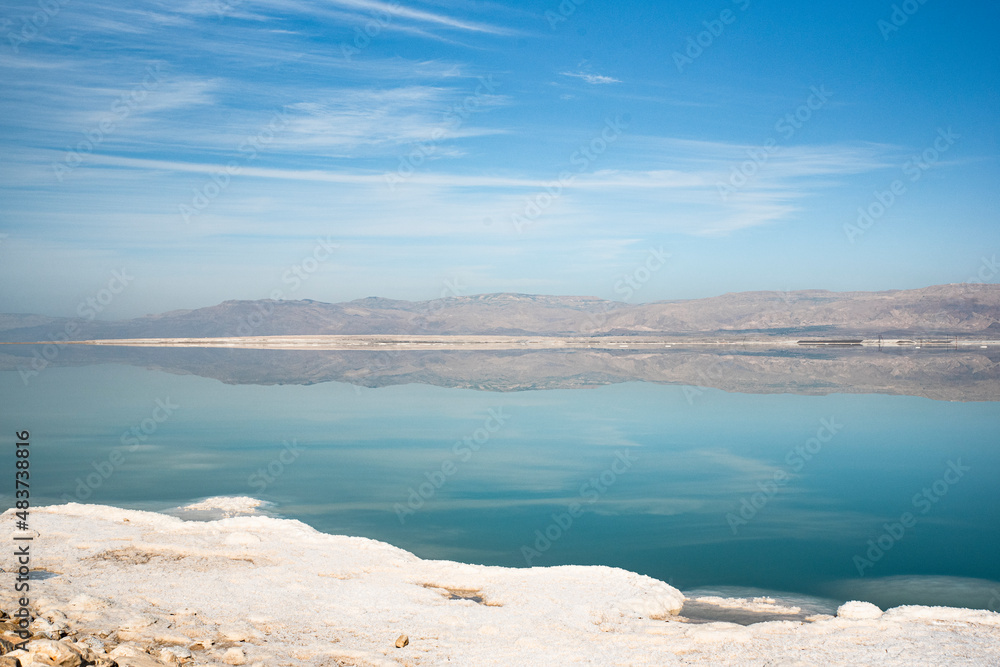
(21, 476)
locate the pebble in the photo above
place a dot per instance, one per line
(241, 632)
(234, 656)
(174, 654)
(144, 660)
(170, 638)
(48, 630)
(402, 641)
(127, 650)
(134, 655)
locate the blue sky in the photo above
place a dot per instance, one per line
(216, 150)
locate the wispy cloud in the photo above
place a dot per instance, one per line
(389, 14)
(593, 79)
(396, 116)
(395, 9)
(411, 97)
(681, 199)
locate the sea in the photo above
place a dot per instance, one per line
(803, 487)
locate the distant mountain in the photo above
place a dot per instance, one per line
(959, 309)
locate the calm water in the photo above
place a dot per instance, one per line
(699, 488)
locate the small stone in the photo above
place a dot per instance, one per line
(56, 616)
(234, 656)
(9, 661)
(127, 650)
(170, 638)
(174, 654)
(239, 632)
(88, 654)
(43, 628)
(93, 643)
(142, 661)
(402, 641)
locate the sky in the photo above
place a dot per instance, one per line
(174, 155)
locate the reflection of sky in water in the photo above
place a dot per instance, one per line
(362, 450)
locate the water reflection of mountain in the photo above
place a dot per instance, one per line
(940, 374)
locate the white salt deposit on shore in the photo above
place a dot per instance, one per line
(276, 592)
(759, 604)
(234, 504)
(221, 507)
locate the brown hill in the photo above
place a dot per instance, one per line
(960, 309)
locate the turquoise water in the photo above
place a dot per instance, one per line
(700, 489)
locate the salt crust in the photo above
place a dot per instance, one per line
(286, 594)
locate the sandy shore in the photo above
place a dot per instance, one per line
(262, 591)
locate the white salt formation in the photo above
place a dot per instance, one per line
(233, 504)
(152, 589)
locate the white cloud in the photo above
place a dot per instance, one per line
(593, 79)
(683, 198)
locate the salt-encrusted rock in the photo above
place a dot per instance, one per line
(105, 661)
(141, 661)
(91, 642)
(170, 638)
(136, 623)
(47, 629)
(9, 625)
(133, 655)
(127, 650)
(56, 616)
(88, 654)
(240, 632)
(859, 611)
(63, 653)
(234, 656)
(174, 654)
(9, 661)
(6, 646)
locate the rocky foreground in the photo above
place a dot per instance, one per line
(140, 589)
(53, 642)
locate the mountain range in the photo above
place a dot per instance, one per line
(965, 309)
